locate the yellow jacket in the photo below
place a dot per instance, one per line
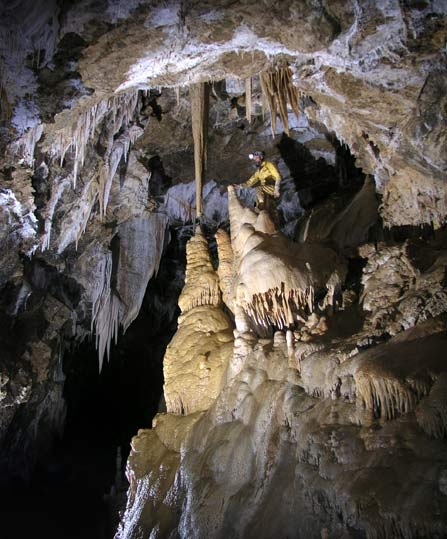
(268, 176)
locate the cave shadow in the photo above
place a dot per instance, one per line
(77, 490)
(315, 179)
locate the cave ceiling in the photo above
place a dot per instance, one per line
(375, 73)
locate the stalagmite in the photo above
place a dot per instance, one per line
(225, 268)
(199, 114)
(278, 88)
(199, 352)
(201, 281)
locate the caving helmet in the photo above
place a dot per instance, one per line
(260, 154)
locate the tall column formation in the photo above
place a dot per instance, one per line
(199, 115)
(256, 431)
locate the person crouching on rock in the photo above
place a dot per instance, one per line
(267, 180)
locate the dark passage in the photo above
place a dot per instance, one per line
(77, 491)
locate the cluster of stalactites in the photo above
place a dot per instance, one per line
(201, 281)
(105, 309)
(118, 118)
(25, 146)
(386, 398)
(116, 150)
(280, 308)
(278, 89)
(118, 112)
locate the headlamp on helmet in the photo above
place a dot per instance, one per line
(256, 154)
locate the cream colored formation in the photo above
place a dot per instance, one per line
(275, 280)
(271, 431)
(265, 280)
(200, 350)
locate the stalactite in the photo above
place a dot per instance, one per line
(248, 92)
(278, 88)
(117, 150)
(26, 144)
(56, 194)
(105, 307)
(384, 396)
(107, 325)
(73, 227)
(199, 94)
(280, 307)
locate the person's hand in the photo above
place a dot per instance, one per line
(276, 194)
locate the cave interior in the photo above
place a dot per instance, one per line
(176, 360)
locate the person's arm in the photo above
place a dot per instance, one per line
(274, 172)
(252, 180)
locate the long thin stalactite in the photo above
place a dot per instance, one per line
(248, 91)
(199, 94)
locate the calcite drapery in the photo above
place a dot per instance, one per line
(141, 242)
(277, 280)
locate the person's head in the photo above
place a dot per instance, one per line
(257, 157)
